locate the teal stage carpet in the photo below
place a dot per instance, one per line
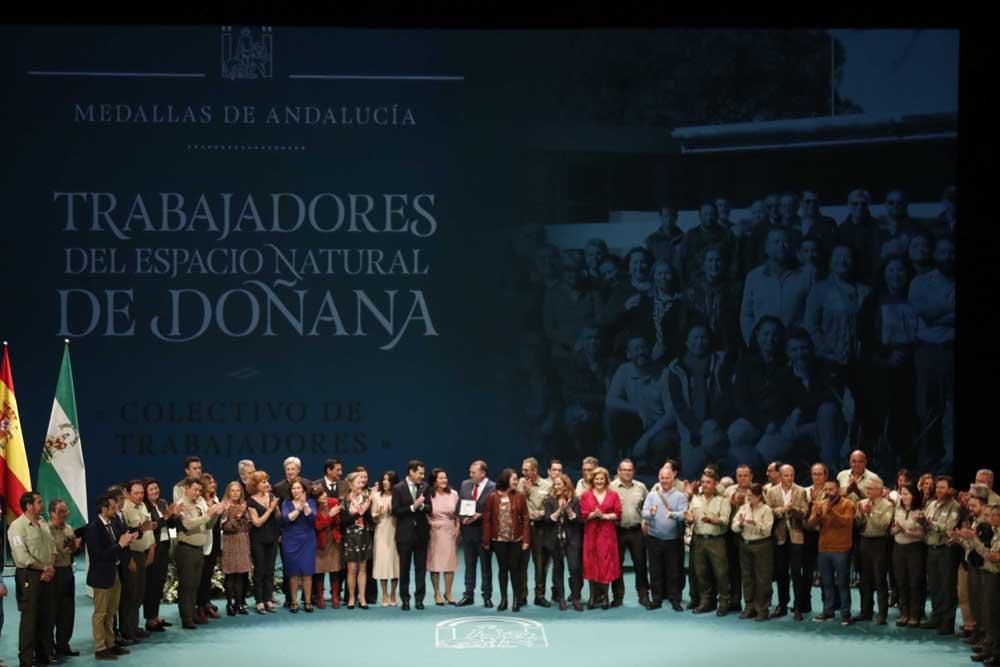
(441, 636)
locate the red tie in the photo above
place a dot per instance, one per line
(475, 492)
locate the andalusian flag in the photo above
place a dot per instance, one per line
(14, 476)
(61, 473)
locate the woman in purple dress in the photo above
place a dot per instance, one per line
(298, 543)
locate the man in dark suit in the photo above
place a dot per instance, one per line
(411, 506)
(107, 548)
(333, 469)
(293, 470)
(477, 488)
(116, 493)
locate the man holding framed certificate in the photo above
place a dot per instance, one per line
(471, 503)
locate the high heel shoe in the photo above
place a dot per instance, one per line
(503, 604)
(230, 608)
(294, 608)
(363, 605)
(308, 608)
(439, 603)
(261, 610)
(242, 610)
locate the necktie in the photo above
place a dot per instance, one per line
(475, 492)
(413, 491)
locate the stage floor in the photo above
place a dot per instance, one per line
(450, 636)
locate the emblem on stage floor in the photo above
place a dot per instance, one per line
(490, 632)
(247, 53)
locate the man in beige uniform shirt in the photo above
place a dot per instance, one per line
(34, 555)
(197, 520)
(535, 488)
(873, 517)
(632, 493)
(943, 558)
(66, 544)
(709, 515)
(138, 521)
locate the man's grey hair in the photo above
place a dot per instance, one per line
(292, 459)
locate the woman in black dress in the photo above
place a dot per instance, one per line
(164, 516)
(265, 527)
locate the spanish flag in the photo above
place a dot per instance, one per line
(14, 476)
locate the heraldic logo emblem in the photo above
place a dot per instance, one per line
(68, 437)
(247, 53)
(489, 632)
(8, 423)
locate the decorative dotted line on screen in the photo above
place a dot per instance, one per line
(244, 147)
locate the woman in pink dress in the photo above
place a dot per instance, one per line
(442, 552)
(600, 509)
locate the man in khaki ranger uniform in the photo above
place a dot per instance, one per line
(34, 557)
(709, 516)
(942, 515)
(873, 518)
(790, 506)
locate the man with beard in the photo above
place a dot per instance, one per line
(815, 225)
(860, 232)
(933, 297)
(708, 233)
(664, 242)
(758, 434)
(716, 300)
(819, 401)
(697, 383)
(637, 403)
(774, 288)
(594, 252)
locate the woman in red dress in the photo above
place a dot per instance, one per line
(600, 510)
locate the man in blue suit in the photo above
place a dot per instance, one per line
(107, 546)
(477, 488)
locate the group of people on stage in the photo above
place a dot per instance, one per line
(923, 538)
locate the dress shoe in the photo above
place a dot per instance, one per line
(605, 605)
(154, 628)
(797, 615)
(189, 626)
(47, 661)
(748, 613)
(881, 620)
(503, 605)
(822, 618)
(542, 602)
(67, 651)
(677, 606)
(419, 605)
(212, 611)
(577, 605)
(945, 630)
(651, 605)
(487, 604)
(516, 606)
(692, 604)
(465, 602)
(523, 601)
(617, 602)
(118, 650)
(703, 609)
(405, 606)
(980, 657)
(845, 620)
(862, 617)
(643, 600)
(562, 605)
(763, 617)
(779, 612)
(722, 612)
(105, 655)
